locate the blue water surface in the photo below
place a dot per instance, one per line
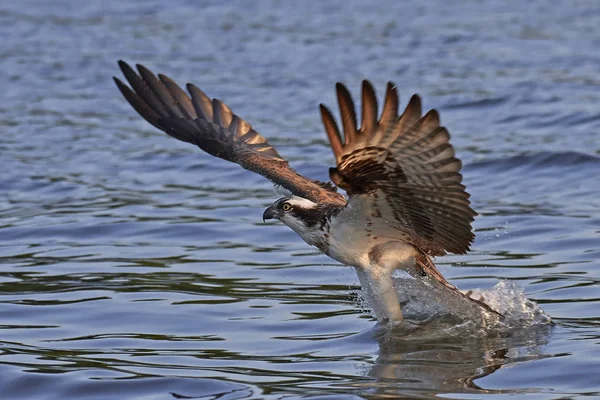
(133, 266)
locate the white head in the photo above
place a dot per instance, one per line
(303, 216)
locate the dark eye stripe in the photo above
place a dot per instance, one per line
(311, 217)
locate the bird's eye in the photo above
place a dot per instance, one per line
(286, 206)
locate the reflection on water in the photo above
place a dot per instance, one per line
(132, 266)
(425, 361)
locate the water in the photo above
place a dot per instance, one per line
(134, 267)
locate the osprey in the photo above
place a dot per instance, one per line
(405, 205)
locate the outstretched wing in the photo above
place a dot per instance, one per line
(210, 124)
(400, 172)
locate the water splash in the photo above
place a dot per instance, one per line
(428, 304)
(509, 299)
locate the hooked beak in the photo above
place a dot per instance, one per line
(269, 213)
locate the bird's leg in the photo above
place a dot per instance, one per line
(376, 278)
(380, 293)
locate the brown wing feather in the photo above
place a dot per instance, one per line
(212, 126)
(403, 169)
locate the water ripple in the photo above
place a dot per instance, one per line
(133, 266)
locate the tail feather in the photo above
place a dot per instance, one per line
(429, 269)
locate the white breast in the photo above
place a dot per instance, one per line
(353, 235)
(349, 242)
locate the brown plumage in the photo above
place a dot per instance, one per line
(403, 164)
(212, 126)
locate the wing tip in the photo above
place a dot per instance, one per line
(340, 86)
(432, 115)
(415, 98)
(332, 130)
(125, 90)
(144, 71)
(127, 71)
(367, 85)
(347, 111)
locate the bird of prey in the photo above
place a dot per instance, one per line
(405, 199)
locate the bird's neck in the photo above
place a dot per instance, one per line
(317, 233)
(315, 236)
